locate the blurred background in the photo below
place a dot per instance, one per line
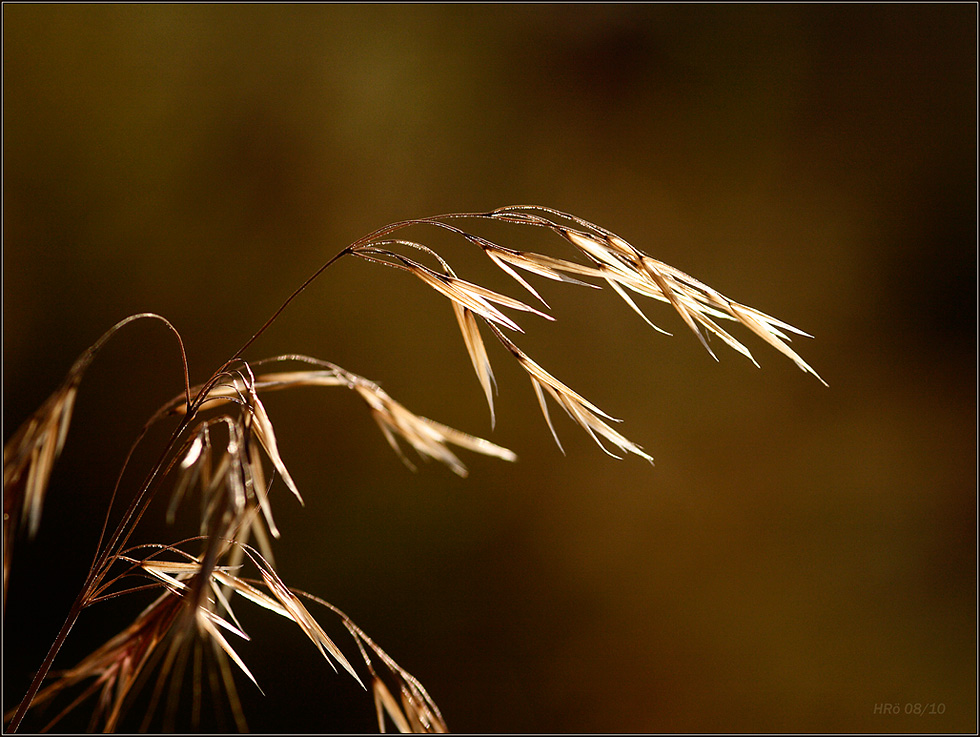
(797, 557)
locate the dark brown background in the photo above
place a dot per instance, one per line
(797, 556)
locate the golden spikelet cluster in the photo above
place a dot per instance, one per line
(223, 459)
(28, 459)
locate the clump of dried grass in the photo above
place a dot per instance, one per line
(224, 453)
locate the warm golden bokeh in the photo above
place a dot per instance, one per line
(798, 557)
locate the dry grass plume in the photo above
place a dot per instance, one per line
(223, 460)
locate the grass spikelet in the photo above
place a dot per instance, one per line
(466, 294)
(428, 438)
(477, 351)
(581, 410)
(29, 457)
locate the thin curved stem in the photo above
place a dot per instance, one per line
(89, 354)
(364, 240)
(285, 304)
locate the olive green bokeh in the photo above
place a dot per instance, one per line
(798, 556)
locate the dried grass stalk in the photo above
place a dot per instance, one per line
(224, 452)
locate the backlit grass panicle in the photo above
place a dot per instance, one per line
(581, 410)
(223, 462)
(166, 633)
(30, 455)
(414, 711)
(115, 667)
(230, 472)
(612, 260)
(231, 481)
(162, 637)
(466, 294)
(622, 265)
(430, 439)
(28, 459)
